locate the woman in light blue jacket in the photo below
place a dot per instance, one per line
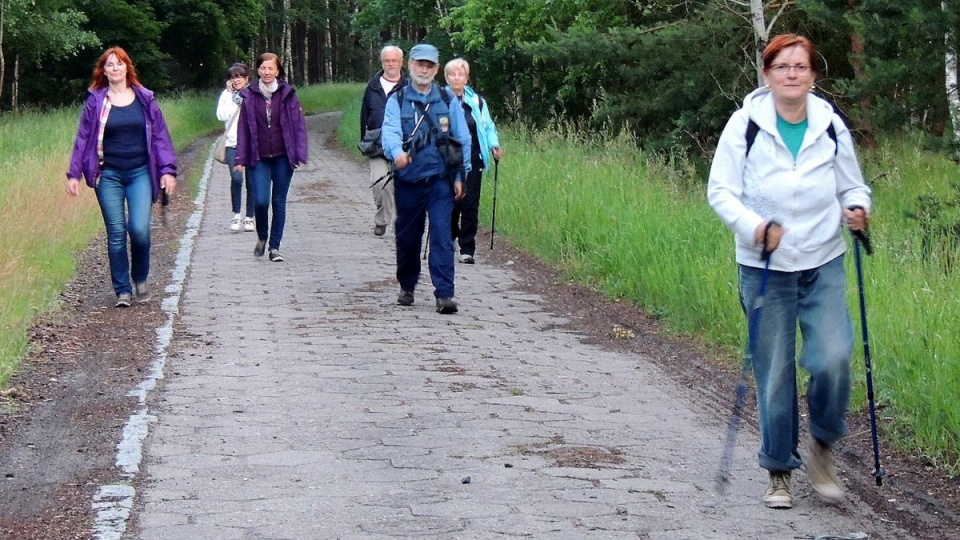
(785, 179)
(484, 138)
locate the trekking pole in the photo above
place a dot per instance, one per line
(726, 460)
(493, 219)
(860, 237)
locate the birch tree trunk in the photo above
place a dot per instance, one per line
(950, 78)
(328, 45)
(761, 34)
(288, 42)
(3, 65)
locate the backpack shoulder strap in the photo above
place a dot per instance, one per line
(832, 133)
(751, 135)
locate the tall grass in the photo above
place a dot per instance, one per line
(638, 227)
(45, 226)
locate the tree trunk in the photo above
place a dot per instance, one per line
(865, 129)
(15, 90)
(3, 65)
(287, 45)
(950, 77)
(327, 43)
(760, 33)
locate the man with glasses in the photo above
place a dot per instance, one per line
(380, 87)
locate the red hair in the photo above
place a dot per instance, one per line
(785, 41)
(100, 78)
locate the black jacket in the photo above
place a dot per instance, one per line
(375, 101)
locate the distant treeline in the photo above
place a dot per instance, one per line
(668, 72)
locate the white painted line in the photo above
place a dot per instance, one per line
(114, 502)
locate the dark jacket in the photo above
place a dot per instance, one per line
(162, 156)
(292, 124)
(375, 101)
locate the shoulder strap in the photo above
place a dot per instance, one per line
(480, 98)
(751, 135)
(753, 129)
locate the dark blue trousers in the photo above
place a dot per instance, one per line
(416, 201)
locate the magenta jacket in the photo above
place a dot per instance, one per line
(84, 161)
(292, 124)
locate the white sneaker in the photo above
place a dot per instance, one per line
(248, 225)
(235, 222)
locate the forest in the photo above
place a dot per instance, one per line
(667, 71)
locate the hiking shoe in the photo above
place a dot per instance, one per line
(142, 291)
(405, 298)
(260, 248)
(778, 494)
(275, 255)
(235, 222)
(124, 300)
(446, 306)
(379, 230)
(823, 475)
(466, 259)
(248, 225)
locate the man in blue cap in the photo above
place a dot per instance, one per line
(420, 116)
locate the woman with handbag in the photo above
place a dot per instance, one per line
(228, 111)
(271, 144)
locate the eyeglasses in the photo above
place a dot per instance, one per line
(783, 69)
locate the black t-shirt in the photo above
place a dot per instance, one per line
(125, 137)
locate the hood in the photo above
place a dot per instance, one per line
(760, 108)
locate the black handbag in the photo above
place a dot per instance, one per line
(370, 145)
(449, 147)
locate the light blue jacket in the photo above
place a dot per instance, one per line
(487, 136)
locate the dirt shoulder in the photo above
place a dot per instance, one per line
(62, 413)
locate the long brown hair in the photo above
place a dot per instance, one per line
(100, 78)
(785, 41)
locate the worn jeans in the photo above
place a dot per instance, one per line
(237, 183)
(815, 300)
(432, 197)
(125, 198)
(270, 178)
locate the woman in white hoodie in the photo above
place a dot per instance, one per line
(227, 109)
(785, 179)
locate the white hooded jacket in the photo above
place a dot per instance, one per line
(805, 195)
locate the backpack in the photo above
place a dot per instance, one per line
(753, 129)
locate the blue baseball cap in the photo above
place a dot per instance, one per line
(425, 51)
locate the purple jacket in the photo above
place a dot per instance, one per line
(84, 160)
(292, 124)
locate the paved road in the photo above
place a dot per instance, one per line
(298, 401)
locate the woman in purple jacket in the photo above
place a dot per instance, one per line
(271, 143)
(123, 150)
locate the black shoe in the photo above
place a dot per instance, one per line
(379, 230)
(446, 306)
(275, 255)
(405, 298)
(261, 246)
(466, 259)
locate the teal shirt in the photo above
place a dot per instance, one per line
(792, 134)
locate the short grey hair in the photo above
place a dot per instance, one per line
(457, 63)
(390, 48)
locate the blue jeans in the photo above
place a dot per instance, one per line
(415, 201)
(125, 198)
(236, 184)
(270, 179)
(815, 300)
